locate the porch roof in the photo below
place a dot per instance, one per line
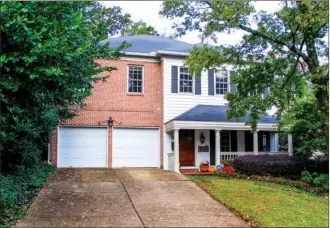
(216, 113)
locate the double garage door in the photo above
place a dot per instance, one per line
(88, 147)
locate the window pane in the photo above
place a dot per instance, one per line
(186, 80)
(221, 82)
(135, 79)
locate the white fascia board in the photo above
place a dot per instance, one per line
(208, 125)
(172, 53)
(156, 54)
(151, 54)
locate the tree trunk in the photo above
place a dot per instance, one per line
(319, 79)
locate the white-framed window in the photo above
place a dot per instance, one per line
(186, 82)
(221, 82)
(135, 79)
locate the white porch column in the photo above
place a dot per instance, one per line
(276, 142)
(290, 144)
(255, 142)
(217, 147)
(176, 151)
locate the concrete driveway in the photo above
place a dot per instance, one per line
(125, 198)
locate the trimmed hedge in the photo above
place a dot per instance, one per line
(273, 165)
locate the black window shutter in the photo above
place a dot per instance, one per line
(198, 83)
(211, 81)
(232, 85)
(233, 141)
(174, 87)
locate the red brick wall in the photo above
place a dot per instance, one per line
(110, 98)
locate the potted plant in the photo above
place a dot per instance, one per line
(204, 166)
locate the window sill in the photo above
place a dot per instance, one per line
(135, 94)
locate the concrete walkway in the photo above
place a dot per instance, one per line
(125, 198)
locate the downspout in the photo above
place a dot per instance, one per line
(49, 157)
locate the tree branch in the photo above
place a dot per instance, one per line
(265, 36)
(295, 66)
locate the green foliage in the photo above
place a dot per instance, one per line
(304, 120)
(140, 28)
(18, 189)
(48, 52)
(281, 53)
(320, 181)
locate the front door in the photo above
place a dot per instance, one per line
(186, 148)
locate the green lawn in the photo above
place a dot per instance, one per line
(267, 204)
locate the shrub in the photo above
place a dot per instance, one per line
(228, 163)
(18, 188)
(273, 165)
(228, 169)
(320, 181)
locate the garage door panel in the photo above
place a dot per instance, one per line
(82, 147)
(135, 147)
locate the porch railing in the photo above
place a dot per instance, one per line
(233, 155)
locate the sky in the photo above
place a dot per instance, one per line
(148, 11)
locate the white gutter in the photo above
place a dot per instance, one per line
(140, 54)
(159, 53)
(156, 54)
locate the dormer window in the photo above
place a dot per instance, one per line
(135, 79)
(221, 82)
(186, 80)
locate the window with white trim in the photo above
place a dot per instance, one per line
(135, 79)
(186, 80)
(221, 82)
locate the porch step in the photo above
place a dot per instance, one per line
(188, 169)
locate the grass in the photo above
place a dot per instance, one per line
(267, 204)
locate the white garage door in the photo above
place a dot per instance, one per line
(135, 147)
(82, 147)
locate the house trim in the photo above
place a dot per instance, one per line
(210, 125)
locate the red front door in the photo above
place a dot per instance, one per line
(186, 148)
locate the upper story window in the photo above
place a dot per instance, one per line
(135, 79)
(186, 80)
(221, 82)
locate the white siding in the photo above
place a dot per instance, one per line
(177, 103)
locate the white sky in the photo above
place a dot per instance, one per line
(147, 11)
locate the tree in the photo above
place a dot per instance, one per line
(140, 28)
(48, 52)
(280, 52)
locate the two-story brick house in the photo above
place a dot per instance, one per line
(152, 113)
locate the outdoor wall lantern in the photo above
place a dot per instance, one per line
(202, 138)
(110, 122)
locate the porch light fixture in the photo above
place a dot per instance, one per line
(110, 122)
(202, 138)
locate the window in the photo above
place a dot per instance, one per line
(221, 82)
(225, 141)
(186, 80)
(135, 79)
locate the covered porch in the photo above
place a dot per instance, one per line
(203, 135)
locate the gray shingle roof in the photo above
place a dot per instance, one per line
(148, 44)
(216, 113)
